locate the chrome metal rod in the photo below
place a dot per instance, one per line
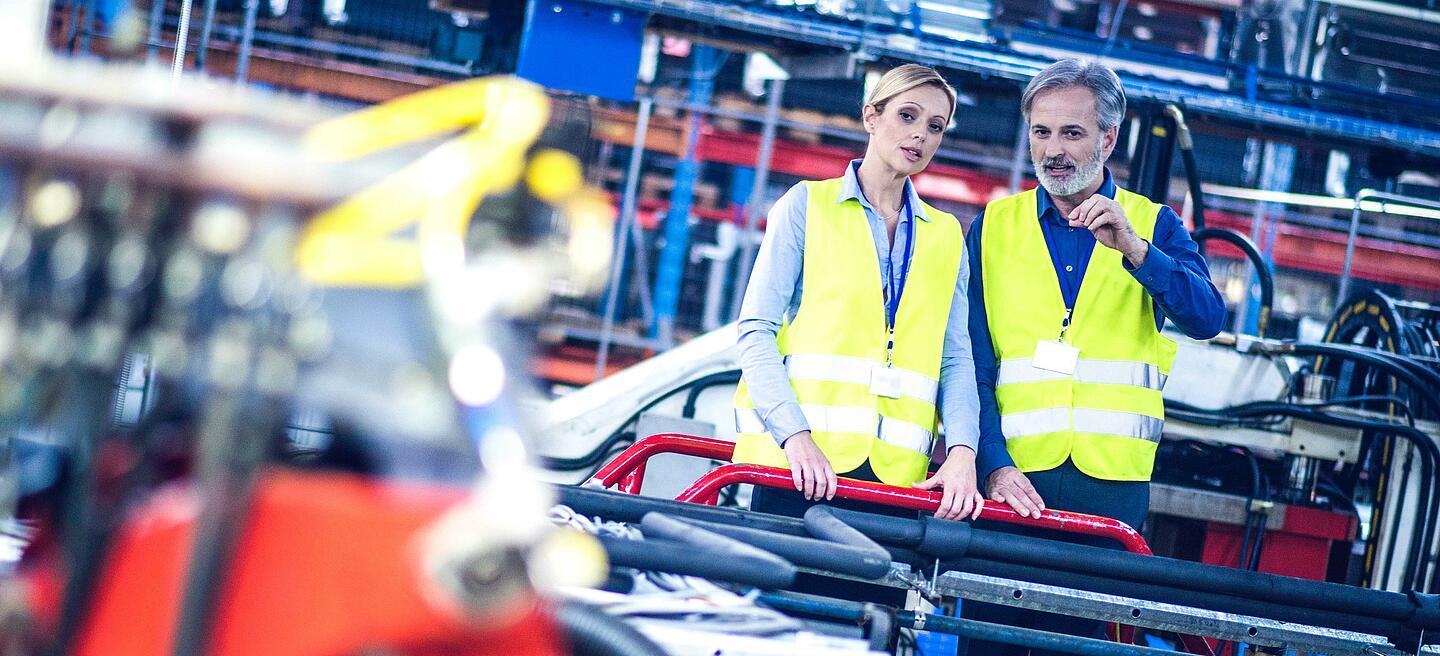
(622, 232)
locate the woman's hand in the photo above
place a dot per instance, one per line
(810, 469)
(957, 478)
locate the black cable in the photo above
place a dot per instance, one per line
(702, 384)
(591, 632)
(1267, 279)
(1430, 458)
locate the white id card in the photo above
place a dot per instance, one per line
(885, 382)
(1056, 356)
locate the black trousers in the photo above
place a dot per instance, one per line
(1062, 488)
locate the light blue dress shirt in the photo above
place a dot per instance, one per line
(774, 294)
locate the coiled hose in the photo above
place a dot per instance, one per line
(593, 633)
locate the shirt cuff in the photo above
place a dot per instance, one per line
(786, 420)
(970, 438)
(989, 460)
(1154, 271)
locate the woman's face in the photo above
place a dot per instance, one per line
(906, 134)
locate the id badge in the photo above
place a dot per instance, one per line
(1056, 356)
(885, 381)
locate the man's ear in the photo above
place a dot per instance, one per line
(1111, 136)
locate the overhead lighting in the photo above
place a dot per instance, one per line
(1311, 200)
(953, 10)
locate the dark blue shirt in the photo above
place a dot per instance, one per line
(1174, 273)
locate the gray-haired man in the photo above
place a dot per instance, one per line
(1070, 374)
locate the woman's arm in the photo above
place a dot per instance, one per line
(773, 291)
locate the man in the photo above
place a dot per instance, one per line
(1074, 281)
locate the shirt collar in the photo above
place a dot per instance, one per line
(1044, 205)
(850, 189)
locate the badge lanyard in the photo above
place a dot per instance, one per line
(894, 290)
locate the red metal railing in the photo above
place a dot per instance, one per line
(627, 470)
(706, 490)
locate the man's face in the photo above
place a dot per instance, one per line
(1067, 147)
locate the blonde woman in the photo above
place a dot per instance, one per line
(854, 334)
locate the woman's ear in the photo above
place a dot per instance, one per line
(869, 115)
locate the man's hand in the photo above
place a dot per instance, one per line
(1008, 485)
(1106, 219)
(810, 469)
(957, 478)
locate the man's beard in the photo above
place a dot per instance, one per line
(1081, 177)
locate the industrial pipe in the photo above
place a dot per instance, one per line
(680, 558)
(808, 552)
(591, 632)
(1192, 170)
(1267, 279)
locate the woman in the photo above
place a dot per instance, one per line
(854, 327)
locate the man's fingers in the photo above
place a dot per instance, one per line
(1034, 497)
(927, 484)
(1080, 210)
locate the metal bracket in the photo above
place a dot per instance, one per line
(1302, 638)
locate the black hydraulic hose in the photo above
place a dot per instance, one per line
(809, 552)
(1396, 631)
(822, 523)
(621, 507)
(590, 632)
(1267, 279)
(1429, 463)
(1192, 170)
(701, 384)
(1187, 575)
(907, 534)
(1418, 377)
(688, 559)
(1120, 565)
(657, 525)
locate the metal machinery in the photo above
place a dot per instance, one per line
(239, 258)
(1313, 461)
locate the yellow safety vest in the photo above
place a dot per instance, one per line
(1108, 416)
(838, 338)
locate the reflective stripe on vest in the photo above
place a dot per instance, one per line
(1099, 422)
(857, 371)
(837, 338)
(1100, 372)
(1108, 416)
(841, 419)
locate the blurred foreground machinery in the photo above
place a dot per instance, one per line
(238, 258)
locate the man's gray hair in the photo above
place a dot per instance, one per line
(1092, 75)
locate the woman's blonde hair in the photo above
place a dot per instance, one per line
(903, 78)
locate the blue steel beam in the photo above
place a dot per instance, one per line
(1000, 62)
(705, 65)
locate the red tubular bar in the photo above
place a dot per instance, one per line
(628, 471)
(706, 490)
(631, 462)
